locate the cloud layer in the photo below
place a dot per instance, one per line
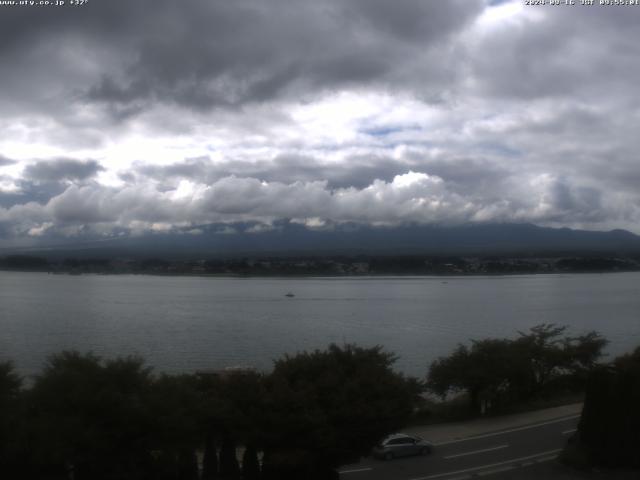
(151, 115)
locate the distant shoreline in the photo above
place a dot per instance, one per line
(312, 275)
(327, 266)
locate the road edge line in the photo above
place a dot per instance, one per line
(491, 449)
(489, 466)
(502, 432)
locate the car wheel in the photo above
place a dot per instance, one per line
(388, 456)
(425, 451)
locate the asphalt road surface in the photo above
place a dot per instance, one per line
(478, 455)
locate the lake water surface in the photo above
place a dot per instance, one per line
(189, 323)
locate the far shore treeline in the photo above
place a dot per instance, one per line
(84, 417)
(328, 265)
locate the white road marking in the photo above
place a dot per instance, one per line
(355, 470)
(518, 429)
(481, 467)
(567, 432)
(476, 451)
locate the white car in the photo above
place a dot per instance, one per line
(401, 445)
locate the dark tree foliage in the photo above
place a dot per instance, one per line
(24, 262)
(552, 357)
(89, 416)
(497, 372)
(187, 464)
(232, 407)
(485, 371)
(609, 429)
(229, 467)
(593, 264)
(175, 405)
(10, 383)
(583, 352)
(327, 408)
(239, 406)
(316, 411)
(210, 459)
(250, 463)
(10, 418)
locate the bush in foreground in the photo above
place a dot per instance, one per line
(609, 429)
(92, 419)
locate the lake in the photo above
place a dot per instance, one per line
(189, 323)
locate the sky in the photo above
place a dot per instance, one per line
(128, 117)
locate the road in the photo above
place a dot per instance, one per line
(477, 455)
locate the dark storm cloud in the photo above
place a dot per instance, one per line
(360, 171)
(200, 54)
(45, 179)
(593, 143)
(574, 53)
(62, 169)
(4, 161)
(588, 200)
(194, 168)
(356, 171)
(28, 191)
(411, 20)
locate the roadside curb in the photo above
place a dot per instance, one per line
(451, 432)
(498, 467)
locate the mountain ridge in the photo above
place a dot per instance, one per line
(285, 238)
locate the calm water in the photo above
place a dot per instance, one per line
(189, 323)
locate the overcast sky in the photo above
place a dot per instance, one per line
(127, 116)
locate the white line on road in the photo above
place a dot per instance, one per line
(482, 467)
(476, 451)
(567, 432)
(527, 427)
(356, 470)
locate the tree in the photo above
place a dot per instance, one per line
(583, 352)
(543, 347)
(327, 408)
(485, 372)
(496, 372)
(552, 357)
(11, 426)
(233, 406)
(187, 464)
(609, 428)
(10, 383)
(210, 458)
(250, 463)
(175, 405)
(229, 467)
(90, 416)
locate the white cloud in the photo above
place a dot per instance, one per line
(411, 197)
